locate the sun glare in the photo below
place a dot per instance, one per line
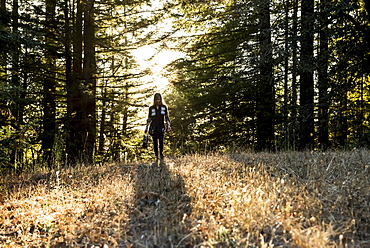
(150, 57)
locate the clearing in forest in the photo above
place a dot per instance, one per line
(287, 199)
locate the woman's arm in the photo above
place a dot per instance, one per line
(146, 127)
(149, 120)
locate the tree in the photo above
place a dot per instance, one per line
(265, 93)
(307, 67)
(323, 78)
(293, 105)
(74, 141)
(49, 84)
(89, 79)
(17, 92)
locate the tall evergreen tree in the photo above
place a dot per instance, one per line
(89, 86)
(323, 77)
(17, 89)
(75, 128)
(307, 67)
(49, 83)
(265, 93)
(294, 98)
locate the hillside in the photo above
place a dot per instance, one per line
(291, 199)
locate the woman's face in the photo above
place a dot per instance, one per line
(157, 101)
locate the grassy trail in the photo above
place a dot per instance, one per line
(286, 199)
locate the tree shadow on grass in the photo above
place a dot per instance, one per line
(89, 206)
(158, 217)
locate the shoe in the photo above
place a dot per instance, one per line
(162, 157)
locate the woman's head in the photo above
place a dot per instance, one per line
(158, 100)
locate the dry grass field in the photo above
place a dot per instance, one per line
(287, 199)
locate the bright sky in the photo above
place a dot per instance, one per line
(156, 57)
(150, 57)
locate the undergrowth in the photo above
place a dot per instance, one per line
(287, 199)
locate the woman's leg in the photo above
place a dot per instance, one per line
(155, 145)
(161, 141)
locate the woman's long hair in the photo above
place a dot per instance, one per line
(158, 95)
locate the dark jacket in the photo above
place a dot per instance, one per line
(156, 118)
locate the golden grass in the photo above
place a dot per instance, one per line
(288, 199)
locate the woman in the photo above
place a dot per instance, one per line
(158, 113)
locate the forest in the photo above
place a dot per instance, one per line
(269, 104)
(256, 74)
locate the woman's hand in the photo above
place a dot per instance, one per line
(146, 128)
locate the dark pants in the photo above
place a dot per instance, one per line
(155, 143)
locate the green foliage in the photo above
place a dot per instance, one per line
(218, 77)
(215, 88)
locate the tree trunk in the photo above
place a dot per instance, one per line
(4, 22)
(293, 104)
(344, 87)
(17, 108)
(286, 75)
(323, 132)
(102, 122)
(306, 76)
(89, 71)
(49, 105)
(361, 116)
(265, 91)
(69, 80)
(74, 95)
